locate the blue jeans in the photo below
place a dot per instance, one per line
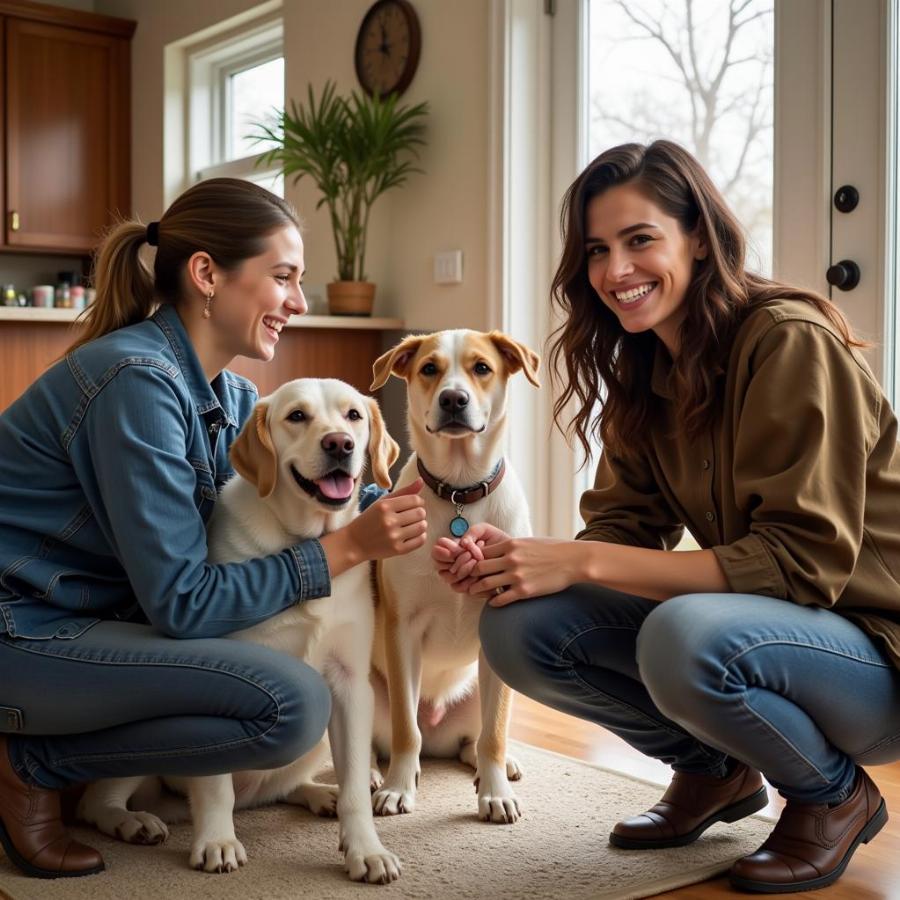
(800, 693)
(121, 700)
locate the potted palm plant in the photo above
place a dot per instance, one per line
(354, 149)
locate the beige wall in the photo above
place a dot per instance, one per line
(446, 208)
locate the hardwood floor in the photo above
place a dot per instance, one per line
(873, 874)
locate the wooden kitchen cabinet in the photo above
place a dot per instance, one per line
(309, 347)
(66, 90)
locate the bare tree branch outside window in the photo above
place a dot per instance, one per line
(699, 72)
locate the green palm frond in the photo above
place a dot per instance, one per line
(354, 149)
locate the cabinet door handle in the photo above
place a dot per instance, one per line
(14, 220)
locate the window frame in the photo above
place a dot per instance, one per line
(209, 70)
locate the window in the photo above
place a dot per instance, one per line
(699, 72)
(233, 84)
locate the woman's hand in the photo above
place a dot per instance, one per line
(392, 526)
(455, 560)
(518, 568)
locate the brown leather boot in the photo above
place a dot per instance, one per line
(812, 842)
(32, 832)
(689, 806)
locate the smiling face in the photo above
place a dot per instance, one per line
(640, 261)
(309, 442)
(320, 431)
(252, 304)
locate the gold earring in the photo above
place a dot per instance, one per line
(206, 312)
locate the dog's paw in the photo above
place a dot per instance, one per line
(497, 802)
(133, 827)
(224, 855)
(468, 756)
(319, 799)
(376, 780)
(374, 865)
(389, 802)
(514, 770)
(142, 828)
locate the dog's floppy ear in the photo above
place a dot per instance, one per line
(395, 361)
(383, 449)
(253, 453)
(517, 356)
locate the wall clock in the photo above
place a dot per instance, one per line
(387, 47)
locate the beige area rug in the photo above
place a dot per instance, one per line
(558, 849)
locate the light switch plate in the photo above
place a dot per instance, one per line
(448, 267)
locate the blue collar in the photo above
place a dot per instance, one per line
(207, 396)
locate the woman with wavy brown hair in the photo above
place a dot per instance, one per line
(741, 409)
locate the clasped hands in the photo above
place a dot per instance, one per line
(487, 562)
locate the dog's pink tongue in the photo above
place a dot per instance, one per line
(336, 486)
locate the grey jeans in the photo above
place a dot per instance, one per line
(800, 693)
(121, 699)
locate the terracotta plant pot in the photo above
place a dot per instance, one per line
(350, 298)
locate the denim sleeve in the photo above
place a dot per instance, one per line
(368, 494)
(131, 455)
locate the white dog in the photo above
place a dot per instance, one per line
(299, 460)
(444, 699)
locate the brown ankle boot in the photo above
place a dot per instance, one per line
(32, 832)
(813, 842)
(689, 806)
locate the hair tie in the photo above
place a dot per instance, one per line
(153, 234)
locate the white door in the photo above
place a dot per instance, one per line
(863, 198)
(785, 102)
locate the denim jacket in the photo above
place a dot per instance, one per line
(110, 465)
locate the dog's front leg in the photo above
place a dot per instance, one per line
(350, 732)
(404, 665)
(497, 801)
(215, 846)
(105, 805)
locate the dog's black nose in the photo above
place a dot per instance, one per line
(338, 444)
(453, 400)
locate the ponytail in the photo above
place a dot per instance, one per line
(123, 281)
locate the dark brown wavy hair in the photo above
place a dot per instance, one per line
(606, 366)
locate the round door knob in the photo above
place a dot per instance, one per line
(843, 275)
(846, 198)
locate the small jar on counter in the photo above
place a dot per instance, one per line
(42, 295)
(10, 295)
(63, 297)
(64, 290)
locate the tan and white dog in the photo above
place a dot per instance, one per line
(428, 667)
(299, 460)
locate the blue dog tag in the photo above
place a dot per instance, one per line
(458, 526)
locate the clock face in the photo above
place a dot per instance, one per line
(387, 47)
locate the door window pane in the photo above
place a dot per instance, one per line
(698, 72)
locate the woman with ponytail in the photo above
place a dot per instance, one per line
(109, 468)
(739, 408)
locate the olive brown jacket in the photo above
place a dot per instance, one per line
(795, 487)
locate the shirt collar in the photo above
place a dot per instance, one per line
(660, 379)
(207, 397)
